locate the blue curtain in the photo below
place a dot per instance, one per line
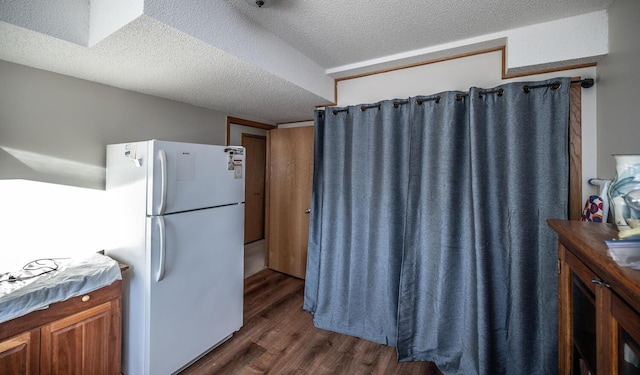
(428, 225)
(358, 203)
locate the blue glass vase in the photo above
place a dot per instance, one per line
(624, 192)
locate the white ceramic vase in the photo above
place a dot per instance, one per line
(624, 192)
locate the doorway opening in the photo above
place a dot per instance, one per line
(253, 136)
(254, 199)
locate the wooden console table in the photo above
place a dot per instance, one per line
(598, 303)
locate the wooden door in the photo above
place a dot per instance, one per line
(290, 178)
(254, 197)
(79, 344)
(20, 354)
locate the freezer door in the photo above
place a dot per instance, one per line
(187, 176)
(198, 301)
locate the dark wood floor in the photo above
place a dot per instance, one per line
(278, 337)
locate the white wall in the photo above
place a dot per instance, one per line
(295, 124)
(483, 70)
(108, 16)
(618, 83)
(53, 135)
(55, 128)
(566, 42)
(43, 220)
(235, 130)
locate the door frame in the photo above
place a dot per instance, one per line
(260, 125)
(249, 123)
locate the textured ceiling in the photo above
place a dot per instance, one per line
(157, 57)
(340, 33)
(149, 57)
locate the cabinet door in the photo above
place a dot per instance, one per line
(579, 326)
(78, 344)
(20, 354)
(290, 178)
(626, 348)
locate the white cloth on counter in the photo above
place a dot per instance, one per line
(73, 277)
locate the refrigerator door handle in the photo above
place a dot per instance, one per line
(163, 249)
(163, 184)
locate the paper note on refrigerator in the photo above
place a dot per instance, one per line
(237, 168)
(186, 166)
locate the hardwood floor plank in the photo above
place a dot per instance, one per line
(319, 358)
(283, 334)
(341, 358)
(242, 357)
(373, 358)
(308, 346)
(296, 339)
(272, 294)
(278, 337)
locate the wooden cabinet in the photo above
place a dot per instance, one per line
(20, 354)
(79, 336)
(290, 172)
(598, 303)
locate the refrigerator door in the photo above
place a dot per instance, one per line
(188, 176)
(198, 301)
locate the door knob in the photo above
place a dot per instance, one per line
(307, 211)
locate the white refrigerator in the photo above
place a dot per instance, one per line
(176, 217)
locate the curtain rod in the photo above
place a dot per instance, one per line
(584, 83)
